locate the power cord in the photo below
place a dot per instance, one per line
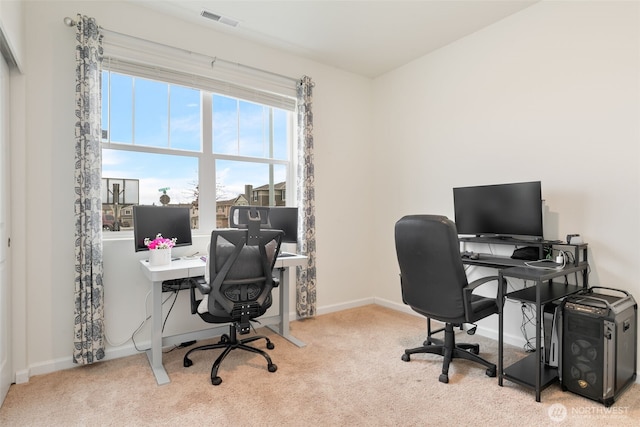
(528, 318)
(179, 346)
(175, 298)
(112, 344)
(169, 286)
(558, 264)
(148, 316)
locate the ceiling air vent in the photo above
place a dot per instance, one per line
(219, 18)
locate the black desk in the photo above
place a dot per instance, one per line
(531, 371)
(494, 261)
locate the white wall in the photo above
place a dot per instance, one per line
(550, 94)
(342, 135)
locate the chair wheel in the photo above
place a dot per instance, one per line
(216, 380)
(187, 362)
(444, 378)
(270, 345)
(491, 372)
(475, 349)
(272, 367)
(406, 357)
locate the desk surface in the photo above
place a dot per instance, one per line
(493, 261)
(194, 266)
(541, 274)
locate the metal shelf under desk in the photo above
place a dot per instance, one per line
(530, 371)
(523, 372)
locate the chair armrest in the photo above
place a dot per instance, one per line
(468, 290)
(203, 287)
(479, 282)
(477, 307)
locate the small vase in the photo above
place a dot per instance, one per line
(159, 256)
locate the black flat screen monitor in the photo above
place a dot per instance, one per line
(170, 221)
(285, 219)
(502, 210)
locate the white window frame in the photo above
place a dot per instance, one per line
(118, 59)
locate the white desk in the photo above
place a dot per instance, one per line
(184, 268)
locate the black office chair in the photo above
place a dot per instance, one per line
(239, 289)
(434, 284)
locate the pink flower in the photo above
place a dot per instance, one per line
(160, 242)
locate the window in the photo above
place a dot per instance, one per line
(170, 143)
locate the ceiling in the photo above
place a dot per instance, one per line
(366, 37)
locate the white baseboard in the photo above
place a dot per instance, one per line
(129, 349)
(48, 367)
(45, 368)
(22, 376)
(344, 306)
(42, 368)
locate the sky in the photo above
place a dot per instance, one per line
(145, 113)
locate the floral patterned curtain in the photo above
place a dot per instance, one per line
(306, 275)
(89, 310)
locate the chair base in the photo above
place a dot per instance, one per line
(450, 350)
(228, 343)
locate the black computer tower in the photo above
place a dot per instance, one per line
(599, 343)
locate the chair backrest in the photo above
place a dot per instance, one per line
(241, 263)
(431, 270)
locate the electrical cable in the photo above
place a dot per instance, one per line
(170, 308)
(528, 318)
(509, 284)
(539, 264)
(144, 321)
(112, 344)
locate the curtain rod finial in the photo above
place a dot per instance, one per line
(69, 22)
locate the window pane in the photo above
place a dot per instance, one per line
(244, 129)
(261, 184)
(280, 134)
(253, 129)
(160, 117)
(120, 109)
(185, 118)
(225, 125)
(155, 172)
(152, 113)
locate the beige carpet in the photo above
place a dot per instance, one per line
(350, 373)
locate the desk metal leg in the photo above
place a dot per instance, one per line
(500, 301)
(154, 354)
(538, 339)
(283, 326)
